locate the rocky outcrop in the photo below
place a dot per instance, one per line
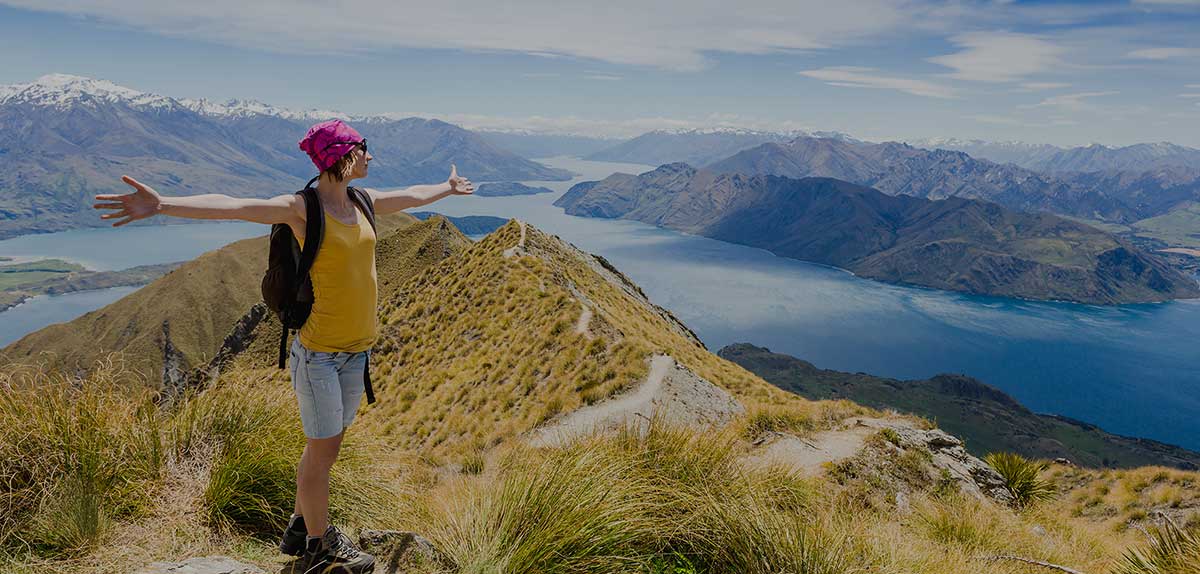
(238, 340)
(893, 451)
(398, 551)
(205, 565)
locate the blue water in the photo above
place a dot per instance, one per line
(1131, 369)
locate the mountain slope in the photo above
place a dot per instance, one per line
(985, 417)
(67, 138)
(158, 327)
(955, 244)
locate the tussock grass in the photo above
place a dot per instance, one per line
(253, 427)
(1171, 550)
(78, 456)
(632, 501)
(1022, 477)
(74, 455)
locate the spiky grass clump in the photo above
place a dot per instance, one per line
(1022, 477)
(664, 499)
(74, 455)
(1172, 550)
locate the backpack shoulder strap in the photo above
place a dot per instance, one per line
(314, 229)
(364, 202)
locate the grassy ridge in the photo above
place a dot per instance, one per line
(477, 347)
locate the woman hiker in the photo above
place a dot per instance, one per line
(331, 351)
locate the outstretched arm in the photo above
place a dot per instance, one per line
(144, 202)
(418, 195)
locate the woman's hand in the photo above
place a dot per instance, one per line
(459, 185)
(140, 204)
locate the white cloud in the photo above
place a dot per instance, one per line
(1189, 95)
(1193, 86)
(1161, 53)
(860, 77)
(604, 77)
(1040, 86)
(670, 34)
(1069, 102)
(998, 120)
(1169, 2)
(1000, 56)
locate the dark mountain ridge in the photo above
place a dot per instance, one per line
(988, 419)
(955, 244)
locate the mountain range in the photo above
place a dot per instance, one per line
(1094, 157)
(896, 168)
(68, 138)
(692, 146)
(957, 243)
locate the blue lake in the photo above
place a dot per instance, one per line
(1131, 369)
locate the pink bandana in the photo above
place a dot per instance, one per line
(327, 142)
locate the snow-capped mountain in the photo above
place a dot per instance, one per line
(236, 108)
(62, 91)
(77, 136)
(1089, 158)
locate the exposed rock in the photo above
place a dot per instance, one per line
(397, 551)
(204, 565)
(174, 365)
(238, 339)
(973, 476)
(944, 460)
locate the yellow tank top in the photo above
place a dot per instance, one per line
(344, 289)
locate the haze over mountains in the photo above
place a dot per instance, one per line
(897, 168)
(1094, 157)
(67, 138)
(692, 146)
(957, 244)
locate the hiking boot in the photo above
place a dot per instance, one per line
(292, 542)
(333, 553)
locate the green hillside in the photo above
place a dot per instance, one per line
(986, 418)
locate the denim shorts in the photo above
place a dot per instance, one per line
(329, 387)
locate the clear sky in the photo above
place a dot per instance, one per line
(1067, 73)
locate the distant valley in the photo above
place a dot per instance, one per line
(956, 244)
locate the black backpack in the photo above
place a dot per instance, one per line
(286, 288)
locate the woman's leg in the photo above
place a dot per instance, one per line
(312, 490)
(318, 392)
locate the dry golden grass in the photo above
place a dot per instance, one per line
(476, 349)
(480, 348)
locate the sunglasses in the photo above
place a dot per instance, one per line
(362, 143)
